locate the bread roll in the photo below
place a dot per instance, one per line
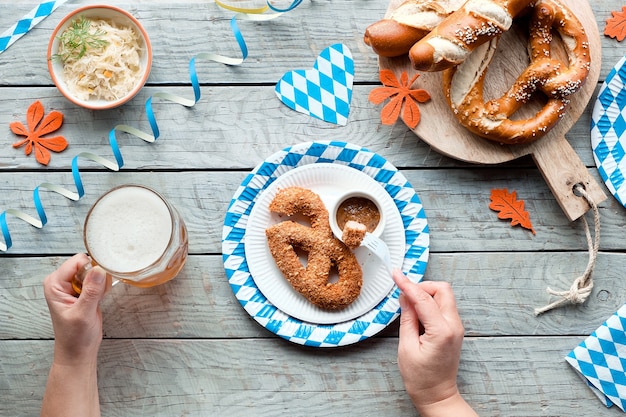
(452, 40)
(410, 22)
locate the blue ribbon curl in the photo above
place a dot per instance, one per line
(42, 218)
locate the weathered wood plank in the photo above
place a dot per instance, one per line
(456, 204)
(496, 294)
(498, 376)
(247, 121)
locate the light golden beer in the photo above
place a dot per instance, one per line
(136, 236)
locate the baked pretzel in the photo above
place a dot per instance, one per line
(323, 249)
(463, 85)
(410, 22)
(475, 23)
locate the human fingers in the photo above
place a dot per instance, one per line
(93, 290)
(68, 269)
(58, 284)
(443, 295)
(425, 306)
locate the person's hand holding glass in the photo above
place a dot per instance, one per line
(136, 236)
(132, 235)
(72, 388)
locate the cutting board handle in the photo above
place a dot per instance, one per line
(562, 169)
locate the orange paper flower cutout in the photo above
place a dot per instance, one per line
(616, 25)
(509, 207)
(399, 92)
(36, 130)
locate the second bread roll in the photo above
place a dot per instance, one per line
(475, 23)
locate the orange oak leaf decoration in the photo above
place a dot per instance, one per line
(37, 127)
(509, 207)
(616, 25)
(399, 92)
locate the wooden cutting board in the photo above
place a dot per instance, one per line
(556, 159)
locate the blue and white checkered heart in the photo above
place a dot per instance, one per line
(323, 92)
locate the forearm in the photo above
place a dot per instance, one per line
(71, 391)
(454, 406)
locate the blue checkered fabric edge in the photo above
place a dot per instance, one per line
(26, 23)
(601, 360)
(233, 253)
(608, 124)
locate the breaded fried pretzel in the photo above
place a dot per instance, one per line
(323, 249)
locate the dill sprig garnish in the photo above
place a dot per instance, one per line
(76, 39)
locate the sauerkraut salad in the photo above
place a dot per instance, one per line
(107, 65)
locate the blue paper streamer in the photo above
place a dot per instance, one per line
(41, 219)
(293, 5)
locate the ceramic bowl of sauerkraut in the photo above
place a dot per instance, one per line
(99, 57)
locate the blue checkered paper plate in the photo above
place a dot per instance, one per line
(608, 124)
(416, 238)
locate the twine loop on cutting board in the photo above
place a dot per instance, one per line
(582, 286)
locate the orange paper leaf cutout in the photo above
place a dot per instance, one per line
(616, 25)
(37, 127)
(509, 207)
(399, 92)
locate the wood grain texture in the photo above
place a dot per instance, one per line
(496, 293)
(242, 377)
(456, 207)
(187, 348)
(275, 47)
(224, 121)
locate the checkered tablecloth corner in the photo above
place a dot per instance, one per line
(601, 360)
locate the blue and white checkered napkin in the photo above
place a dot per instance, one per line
(608, 125)
(601, 360)
(325, 91)
(26, 23)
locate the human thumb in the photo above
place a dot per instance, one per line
(94, 287)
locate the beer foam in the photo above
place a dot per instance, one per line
(128, 229)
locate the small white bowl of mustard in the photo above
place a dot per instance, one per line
(357, 206)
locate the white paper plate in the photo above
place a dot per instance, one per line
(330, 182)
(256, 304)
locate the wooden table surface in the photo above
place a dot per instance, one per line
(188, 348)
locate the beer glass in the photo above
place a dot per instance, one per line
(136, 236)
